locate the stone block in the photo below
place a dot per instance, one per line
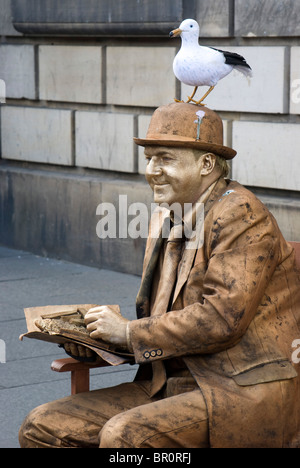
(286, 212)
(36, 135)
(267, 18)
(18, 70)
(6, 26)
(265, 92)
(71, 73)
(295, 81)
(214, 18)
(140, 76)
(268, 154)
(105, 141)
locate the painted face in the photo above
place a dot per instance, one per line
(174, 174)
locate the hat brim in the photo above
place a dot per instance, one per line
(223, 151)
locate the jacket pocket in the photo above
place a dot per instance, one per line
(266, 372)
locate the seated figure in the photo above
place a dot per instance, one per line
(217, 312)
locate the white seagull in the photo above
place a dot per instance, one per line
(197, 65)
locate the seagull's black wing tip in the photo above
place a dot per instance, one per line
(232, 58)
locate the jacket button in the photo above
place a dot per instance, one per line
(146, 354)
(159, 352)
(153, 353)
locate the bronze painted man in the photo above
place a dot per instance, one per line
(216, 320)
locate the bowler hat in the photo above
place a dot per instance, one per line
(189, 126)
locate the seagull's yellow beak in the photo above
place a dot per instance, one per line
(175, 32)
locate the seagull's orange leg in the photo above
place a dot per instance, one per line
(190, 98)
(199, 103)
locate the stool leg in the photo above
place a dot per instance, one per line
(80, 381)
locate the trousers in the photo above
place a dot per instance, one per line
(124, 416)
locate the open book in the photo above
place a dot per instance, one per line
(65, 324)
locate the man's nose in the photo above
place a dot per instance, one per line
(153, 168)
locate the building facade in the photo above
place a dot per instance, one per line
(82, 77)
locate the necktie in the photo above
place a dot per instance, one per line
(168, 275)
(166, 285)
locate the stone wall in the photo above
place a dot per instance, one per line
(78, 92)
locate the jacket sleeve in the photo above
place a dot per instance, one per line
(242, 250)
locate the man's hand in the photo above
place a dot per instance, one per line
(80, 352)
(106, 324)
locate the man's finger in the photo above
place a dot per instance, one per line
(94, 310)
(90, 318)
(91, 326)
(82, 351)
(74, 349)
(67, 347)
(71, 348)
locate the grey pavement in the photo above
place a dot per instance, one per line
(26, 379)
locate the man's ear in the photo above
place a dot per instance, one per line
(208, 162)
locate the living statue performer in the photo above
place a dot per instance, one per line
(216, 317)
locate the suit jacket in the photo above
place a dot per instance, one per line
(234, 317)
